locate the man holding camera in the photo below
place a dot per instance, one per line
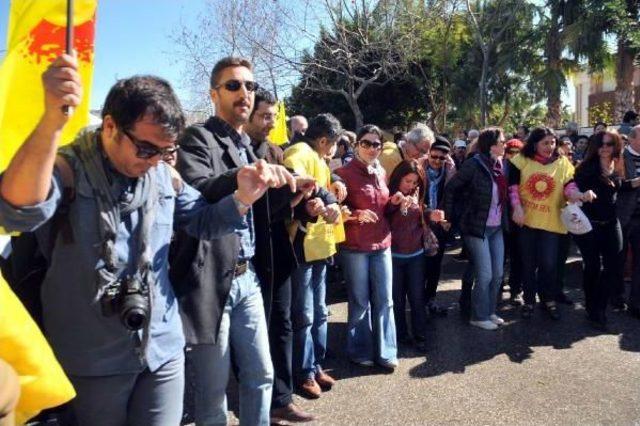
(109, 310)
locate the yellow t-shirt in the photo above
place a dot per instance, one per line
(542, 191)
(390, 157)
(305, 160)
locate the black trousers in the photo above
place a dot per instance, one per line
(281, 343)
(601, 252)
(434, 263)
(631, 237)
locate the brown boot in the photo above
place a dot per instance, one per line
(290, 413)
(324, 380)
(310, 388)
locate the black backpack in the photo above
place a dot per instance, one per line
(26, 267)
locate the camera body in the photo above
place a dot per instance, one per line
(129, 299)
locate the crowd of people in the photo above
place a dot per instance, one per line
(215, 255)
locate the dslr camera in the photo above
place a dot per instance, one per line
(129, 299)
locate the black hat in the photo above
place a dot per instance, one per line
(442, 144)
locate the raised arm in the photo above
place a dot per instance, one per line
(27, 180)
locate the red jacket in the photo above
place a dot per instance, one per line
(406, 231)
(366, 191)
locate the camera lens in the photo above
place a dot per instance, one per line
(134, 318)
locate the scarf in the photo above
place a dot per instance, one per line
(494, 165)
(435, 177)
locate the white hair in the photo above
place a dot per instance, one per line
(420, 133)
(473, 134)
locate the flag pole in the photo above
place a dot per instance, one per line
(68, 110)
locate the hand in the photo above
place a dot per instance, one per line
(397, 198)
(407, 202)
(588, 196)
(315, 207)
(445, 225)
(518, 215)
(449, 164)
(346, 213)
(306, 184)
(332, 213)
(436, 216)
(62, 86)
(367, 216)
(254, 180)
(339, 189)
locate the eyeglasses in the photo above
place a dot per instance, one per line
(369, 144)
(235, 85)
(146, 150)
(437, 157)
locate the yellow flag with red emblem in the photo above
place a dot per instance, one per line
(36, 36)
(278, 135)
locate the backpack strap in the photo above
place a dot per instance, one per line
(61, 218)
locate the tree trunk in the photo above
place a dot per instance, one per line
(624, 95)
(553, 87)
(357, 112)
(483, 86)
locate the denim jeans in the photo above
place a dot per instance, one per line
(309, 318)
(371, 329)
(539, 250)
(243, 332)
(144, 398)
(408, 280)
(488, 259)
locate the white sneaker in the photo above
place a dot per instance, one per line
(496, 319)
(486, 325)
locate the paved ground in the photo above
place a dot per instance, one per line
(529, 372)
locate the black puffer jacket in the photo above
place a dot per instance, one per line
(470, 190)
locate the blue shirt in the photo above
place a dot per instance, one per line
(246, 233)
(84, 341)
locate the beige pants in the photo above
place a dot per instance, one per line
(9, 394)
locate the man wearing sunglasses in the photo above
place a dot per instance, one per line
(417, 145)
(116, 231)
(217, 285)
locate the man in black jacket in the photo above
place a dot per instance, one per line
(261, 122)
(216, 281)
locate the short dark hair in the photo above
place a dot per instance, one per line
(323, 125)
(535, 136)
(600, 123)
(399, 136)
(404, 168)
(487, 138)
(224, 63)
(368, 128)
(130, 99)
(262, 95)
(629, 116)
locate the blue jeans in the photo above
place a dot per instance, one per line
(408, 280)
(371, 329)
(487, 255)
(539, 264)
(309, 318)
(243, 331)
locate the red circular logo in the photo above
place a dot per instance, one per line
(540, 185)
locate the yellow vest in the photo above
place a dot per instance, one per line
(321, 238)
(542, 191)
(390, 157)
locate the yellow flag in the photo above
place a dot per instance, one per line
(43, 384)
(278, 135)
(36, 36)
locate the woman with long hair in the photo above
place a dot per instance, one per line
(481, 187)
(540, 182)
(366, 256)
(407, 250)
(602, 173)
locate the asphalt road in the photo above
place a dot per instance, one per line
(530, 372)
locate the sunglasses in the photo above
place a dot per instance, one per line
(235, 85)
(609, 144)
(437, 157)
(146, 150)
(368, 144)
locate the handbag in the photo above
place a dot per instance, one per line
(574, 219)
(321, 239)
(429, 240)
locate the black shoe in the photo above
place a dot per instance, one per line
(618, 304)
(527, 311)
(552, 310)
(437, 310)
(564, 299)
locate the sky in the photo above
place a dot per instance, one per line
(132, 37)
